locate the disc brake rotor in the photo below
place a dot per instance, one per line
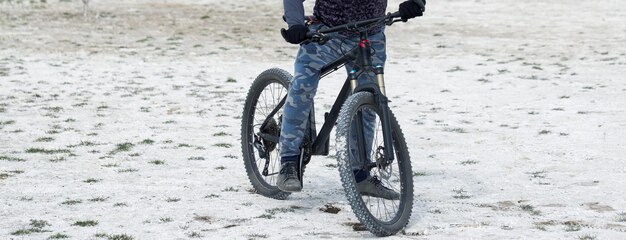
(384, 169)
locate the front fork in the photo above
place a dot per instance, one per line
(382, 101)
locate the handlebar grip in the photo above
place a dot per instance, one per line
(395, 15)
(421, 4)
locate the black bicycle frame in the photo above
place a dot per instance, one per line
(361, 55)
(363, 64)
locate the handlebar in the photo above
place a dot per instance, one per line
(321, 36)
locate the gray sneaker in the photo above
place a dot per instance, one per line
(288, 178)
(373, 187)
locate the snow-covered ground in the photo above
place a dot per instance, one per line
(125, 124)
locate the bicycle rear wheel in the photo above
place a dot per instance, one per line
(383, 217)
(261, 155)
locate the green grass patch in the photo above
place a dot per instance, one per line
(157, 162)
(53, 132)
(266, 216)
(86, 223)
(114, 237)
(587, 237)
(147, 141)
(7, 122)
(469, 162)
(98, 199)
(92, 180)
(122, 147)
(220, 134)
(460, 194)
(230, 189)
(274, 211)
(72, 202)
(101, 235)
(58, 236)
(212, 196)
(455, 130)
(530, 209)
(47, 151)
(544, 132)
(44, 139)
(36, 226)
(25, 231)
(11, 159)
(537, 174)
(82, 143)
(53, 109)
(223, 145)
(572, 226)
(195, 235)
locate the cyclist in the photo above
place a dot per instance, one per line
(310, 59)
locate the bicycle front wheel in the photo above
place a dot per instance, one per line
(381, 215)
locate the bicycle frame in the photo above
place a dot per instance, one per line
(362, 55)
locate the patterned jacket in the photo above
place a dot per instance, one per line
(335, 12)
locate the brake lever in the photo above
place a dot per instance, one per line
(318, 38)
(323, 39)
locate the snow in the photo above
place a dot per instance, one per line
(514, 113)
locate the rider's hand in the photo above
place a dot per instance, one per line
(295, 34)
(410, 9)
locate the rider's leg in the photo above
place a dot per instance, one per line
(309, 61)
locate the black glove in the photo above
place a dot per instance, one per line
(410, 9)
(295, 34)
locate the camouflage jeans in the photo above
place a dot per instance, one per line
(309, 61)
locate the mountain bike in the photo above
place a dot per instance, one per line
(383, 152)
